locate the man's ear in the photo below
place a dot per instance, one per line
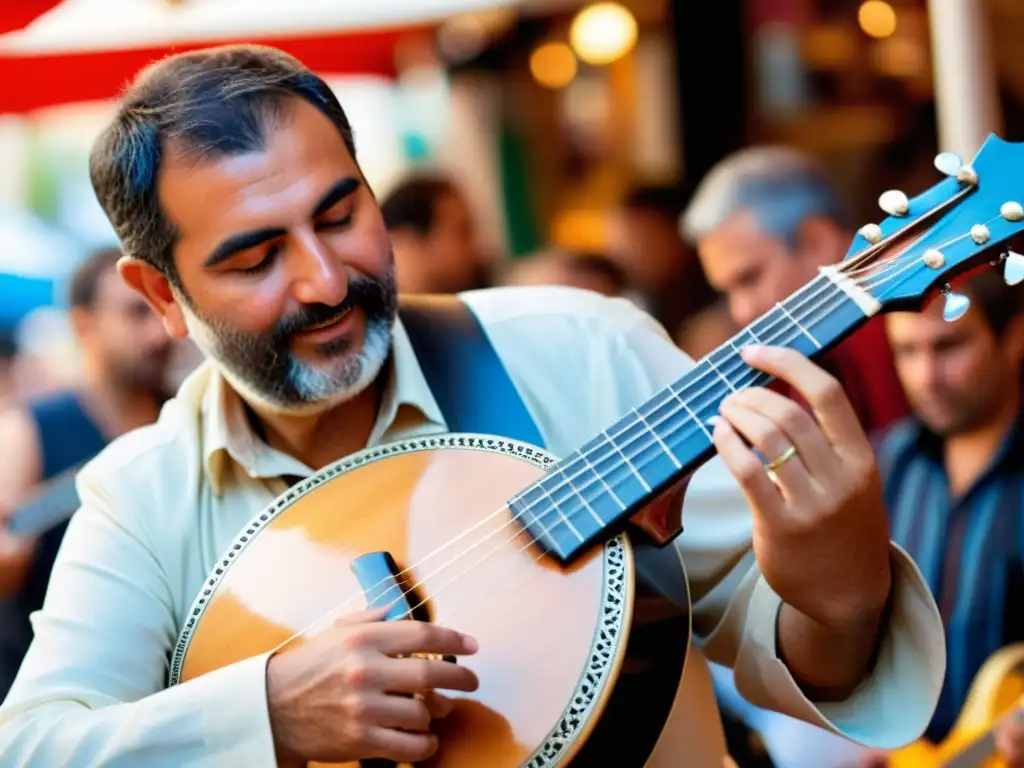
(150, 283)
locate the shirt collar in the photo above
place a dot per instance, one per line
(228, 435)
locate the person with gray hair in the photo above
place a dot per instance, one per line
(763, 221)
(780, 186)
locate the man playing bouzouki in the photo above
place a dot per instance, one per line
(231, 177)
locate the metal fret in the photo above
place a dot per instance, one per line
(658, 438)
(607, 487)
(629, 463)
(554, 504)
(693, 416)
(711, 364)
(798, 325)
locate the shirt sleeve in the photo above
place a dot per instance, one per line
(91, 690)
(735, 611)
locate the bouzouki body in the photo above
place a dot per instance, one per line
(576, 664)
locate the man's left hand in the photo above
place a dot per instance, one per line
(1009, 738)
(820, 528)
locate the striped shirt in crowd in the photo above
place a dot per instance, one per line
(969, 549)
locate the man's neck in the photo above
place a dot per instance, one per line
(322, 438)
(968, 455)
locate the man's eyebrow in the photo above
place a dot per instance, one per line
(241, 242)
(341, 189)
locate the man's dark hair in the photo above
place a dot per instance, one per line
(997, 302)
(412, 203)
(211, 103)
(85, 280)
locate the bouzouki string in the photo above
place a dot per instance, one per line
(882, 276)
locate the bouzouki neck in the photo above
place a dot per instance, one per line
(592, 493)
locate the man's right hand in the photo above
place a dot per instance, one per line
(343, 696)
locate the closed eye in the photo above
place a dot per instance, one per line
(335, 223)
(263, 264)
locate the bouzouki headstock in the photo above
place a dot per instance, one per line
(965, 222)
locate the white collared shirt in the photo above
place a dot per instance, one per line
(161, 504)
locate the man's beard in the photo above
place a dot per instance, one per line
(261, 366)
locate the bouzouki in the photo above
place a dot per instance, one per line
(544, 561)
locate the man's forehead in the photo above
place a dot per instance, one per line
(298, 139)
(300, 159)
(735, 243)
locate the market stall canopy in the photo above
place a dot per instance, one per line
(81, 50)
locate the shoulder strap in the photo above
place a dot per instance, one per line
(465, 374)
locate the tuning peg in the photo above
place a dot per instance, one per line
(1011, 211)
(980, 234)
(948, 163)
(967, 175)
(894, 202)
(956, 305)
(871, 232)
(934, 258)
(1013, 269)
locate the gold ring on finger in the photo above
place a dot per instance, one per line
(788, 454)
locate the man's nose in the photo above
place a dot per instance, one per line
(321, 277)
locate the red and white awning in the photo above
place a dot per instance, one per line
(80, 50)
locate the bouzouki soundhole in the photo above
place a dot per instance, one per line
(574, 660)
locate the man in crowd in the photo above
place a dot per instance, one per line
(434, 237)
(124, 351)
(763, 221)
(953, 477)
(257, 234)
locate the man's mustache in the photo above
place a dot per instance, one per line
(365, 293)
